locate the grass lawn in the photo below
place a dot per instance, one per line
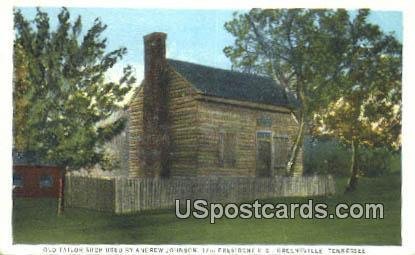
(35, 221)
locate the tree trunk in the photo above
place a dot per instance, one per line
(300, 133)
(61, 201)
(354, 168)
(296, 146)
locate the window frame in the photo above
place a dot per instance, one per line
(21, 181)
(42, 181)
(277, 159)
(227, 151)
(270, 140)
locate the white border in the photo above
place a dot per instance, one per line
(408, 135)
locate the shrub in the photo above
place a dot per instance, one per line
(374, 162)
(326, 156)
(329, 156)
(110, 161)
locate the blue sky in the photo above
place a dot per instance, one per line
(192, 35)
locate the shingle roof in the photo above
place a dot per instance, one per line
(234, 85)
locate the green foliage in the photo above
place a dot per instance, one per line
(110, 160)
(326, 156)
(330, 156)
(61, 73)
(20, 98)
(301, 49)
(381, 161)
(365, 106)
(345, 72)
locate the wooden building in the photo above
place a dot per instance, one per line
(193, 120)
(35, 179)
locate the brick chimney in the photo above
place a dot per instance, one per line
(155, 141)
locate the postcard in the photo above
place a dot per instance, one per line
(151, 129)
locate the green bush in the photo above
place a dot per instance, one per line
(375, 162)
(326, 156)
(110, 161)
(329, 156)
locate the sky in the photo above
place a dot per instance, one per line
(192, 35)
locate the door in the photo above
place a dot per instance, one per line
(263, 158)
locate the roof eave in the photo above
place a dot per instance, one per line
(244, 103)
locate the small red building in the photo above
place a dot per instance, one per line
(36, 180)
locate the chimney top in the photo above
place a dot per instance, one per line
(154, 53)
(155, 36)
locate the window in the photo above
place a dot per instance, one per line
(46, 181)
(264, 155)
(281, 152)
(227, 149)
(17, 181)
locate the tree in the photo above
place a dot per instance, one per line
(20, 98)
(345, 72)
(300, 49)
(366, 107)
(60, 91)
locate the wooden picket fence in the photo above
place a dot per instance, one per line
(127, 195)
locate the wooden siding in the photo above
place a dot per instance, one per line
(182, 127)
(195, 122)
(135, 131)
(215, 117)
